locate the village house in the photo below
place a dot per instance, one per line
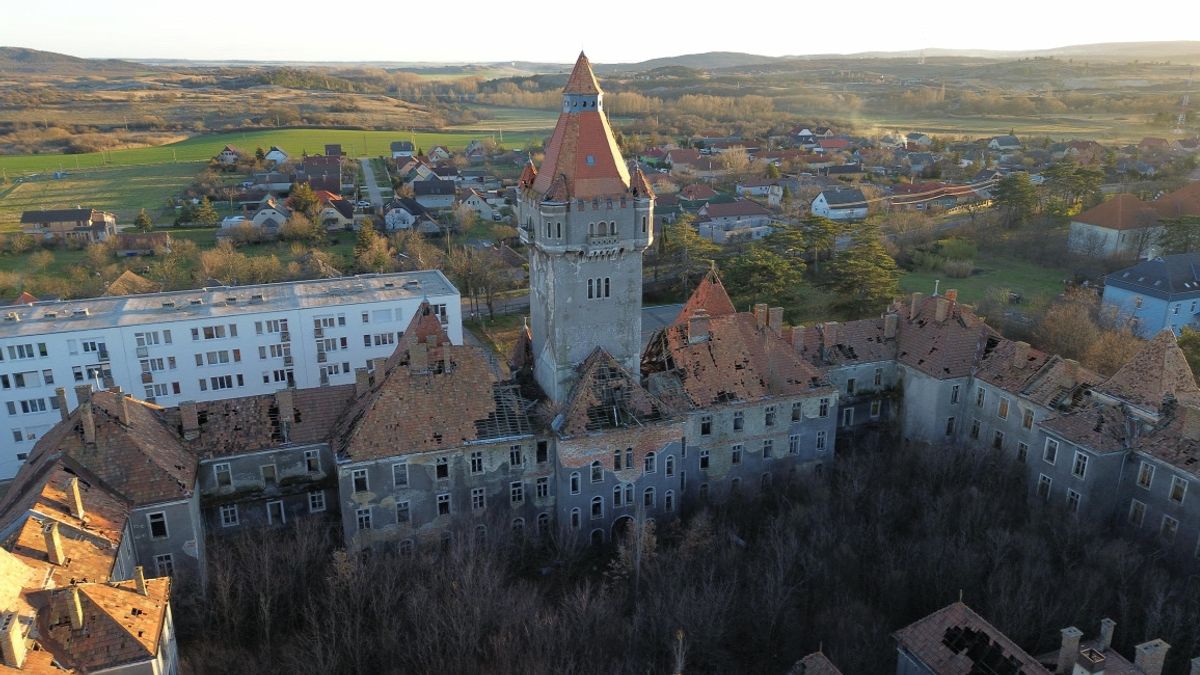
(477, 202)
(129, 244)
(438, 153)
(335, 212)
(405, 213)
(228, 156)
(78, 224)
(1123, 227)
(840, 204)
(275, 156)
(1156, 294)
(730, 221)
(434, 194)
(402, 149)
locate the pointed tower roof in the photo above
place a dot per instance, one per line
(582, 157)
(1159, 370)
(710, 296)
(528, 175)
(582, 80)
(640, 185)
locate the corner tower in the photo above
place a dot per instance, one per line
(588, 221)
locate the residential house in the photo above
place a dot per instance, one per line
(475, 152)
(333, 150)
(413, 169)
(408, 214)
(1156, 294)
(756, 187)
(840, 204)
(434, 194)
(1085, 152)
(932, 196)
(322, 172)
(78, 224)
(271, 182)
(475, 200)
(271, 216)
(732, 221)
(228, 156)
(1123, 226)
(1179, 203)
(130, 244)
(402, 149)
(919, 162)
(1004, 144)
(698, 193)
(916, 140)
(335, 212)
(275, 156)
(438, 153)
(830, 145)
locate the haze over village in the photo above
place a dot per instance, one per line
(321, 357)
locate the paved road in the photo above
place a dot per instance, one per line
(375, 196)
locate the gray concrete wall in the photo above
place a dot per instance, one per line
(251, 492)
(184, 540)
(927, 403)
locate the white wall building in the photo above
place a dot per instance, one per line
(204, 344)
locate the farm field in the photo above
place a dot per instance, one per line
(122, 190)
(1114, 128)
(295, 141)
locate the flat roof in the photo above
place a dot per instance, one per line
(60, 316)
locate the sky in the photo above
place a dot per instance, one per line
(612, 31)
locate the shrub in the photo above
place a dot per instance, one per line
(958, 269)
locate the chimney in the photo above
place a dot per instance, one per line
(1107, 626)
(698, 329)
(285, 400)
(122, 408)
(60, 394)
(362, 381)
(418, 357)
(74, 499)
(1072, 368)
(951, 294)
(189, 419)
(54, 545)
(139, 580)
(87, 419)
(798, 337)
(379, 365)
(760, 315)
(1191, 422)
(1091, 661)
(942, 310)
(914, 306)
(1020, 355)
(1150, 656)
(1068, 652)
(75, 607)
(775, 319)
(829, 335)
(12, 642)
(891, 324)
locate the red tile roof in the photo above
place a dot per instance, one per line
(1123, 212)
(582, 80)
(697, 191)
(1158, 370)
(945, 349)
(121, 626)
(710, 296)
(1182, 202)
(607, 396)
(743, 207)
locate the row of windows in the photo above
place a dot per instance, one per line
(441, 466)
(27, 379)
(231, 516)
(223, 471)
(1168, 527)
(215, 332)
(770, 415)
(26, 351)
(1176, 491)
(31, 406)
(219, 382)
(599, 287)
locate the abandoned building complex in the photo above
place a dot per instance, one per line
(428, 437)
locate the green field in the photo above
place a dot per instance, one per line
(122, 190)
(294, 141)
(1017, 276)
(1129, 128)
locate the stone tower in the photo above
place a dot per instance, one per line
(588, 222)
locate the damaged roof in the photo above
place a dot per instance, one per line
(942, 349)
(1157, 372)
(956, 641)
(607, 396)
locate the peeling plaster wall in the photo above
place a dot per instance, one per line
(928, 403)
(251, 492)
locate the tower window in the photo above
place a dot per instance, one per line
(590, 289)
(591, 160)
(606, 280)
(558, 230)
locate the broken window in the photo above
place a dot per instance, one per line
(476, 462)
(516, 493)
(442, 468)
(359, 476)
(704, 459)
(223, 475)
(312, 461)
(769, 416)
(575, 481)
(543, 452)
(616, 460)
(1079, 468)
(651, 463)
(597, 472)
(516, 458)
(705, 425)
(542, 487)
(669, 466)
(158, 524)
(735, 454)
(478, 499)
(400, 475)
(794, 444)
(1178, 489)
(768, 448)
(739, 421)
(363, 518)
(443, 504)
(1145, 475)
(797, 410)
(597, 508)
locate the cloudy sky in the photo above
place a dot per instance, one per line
(538, 30)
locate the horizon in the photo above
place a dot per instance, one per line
(170, 32)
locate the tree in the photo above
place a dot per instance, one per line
(143, 222)
(365, 238)
(772, 171)
(416, 253)
(818, 237)
(1189, 342)
(40, 260)
(186, 214)
(762, 275)
(684, 251)
(1016, 198)
(205, 213)
(863, 277)
(1180, 235)
(260, 155)
(304, 200)
(299, 228)
(377, 256)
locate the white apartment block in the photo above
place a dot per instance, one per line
(204, 344)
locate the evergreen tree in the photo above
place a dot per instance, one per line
(304, 200)
(366, 237)
(1016, 198)
(684, 251)
(762, 275)
(143, 222)
(819, 237)
(205, 213)
(863, 277)
(1181, 235)
(186, 215)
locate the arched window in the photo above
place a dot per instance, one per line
(597, 508)
(406, 546)
(669, 467)
(597, 537)
(575, 519)
(518, 526)
(480, 533)
(648, 498)
(616, 496)
(597, 472)
(651, 463)
(543, 524)
(575, 481)
(669, 501)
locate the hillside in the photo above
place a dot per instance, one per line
(33, 61)
(705, 61)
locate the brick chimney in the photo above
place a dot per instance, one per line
(698, 327)
(75, 608)
(418, 357)
(1150, 656)
(12, 641)
(891, 324)
(379, 365)
(830, 335)
(122, 408)
(87, 418)
(760, 315)
(285, 400)
(951, 294)
(74, 499)
(942, 310)
(775, 319)
(1191, 422)
(362, 381)
(914, 305)
(54, 545)
(189, 420)
(1107, 626)
(1068, 652)
(1020, 354)
(139, 580)
(60, 395)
